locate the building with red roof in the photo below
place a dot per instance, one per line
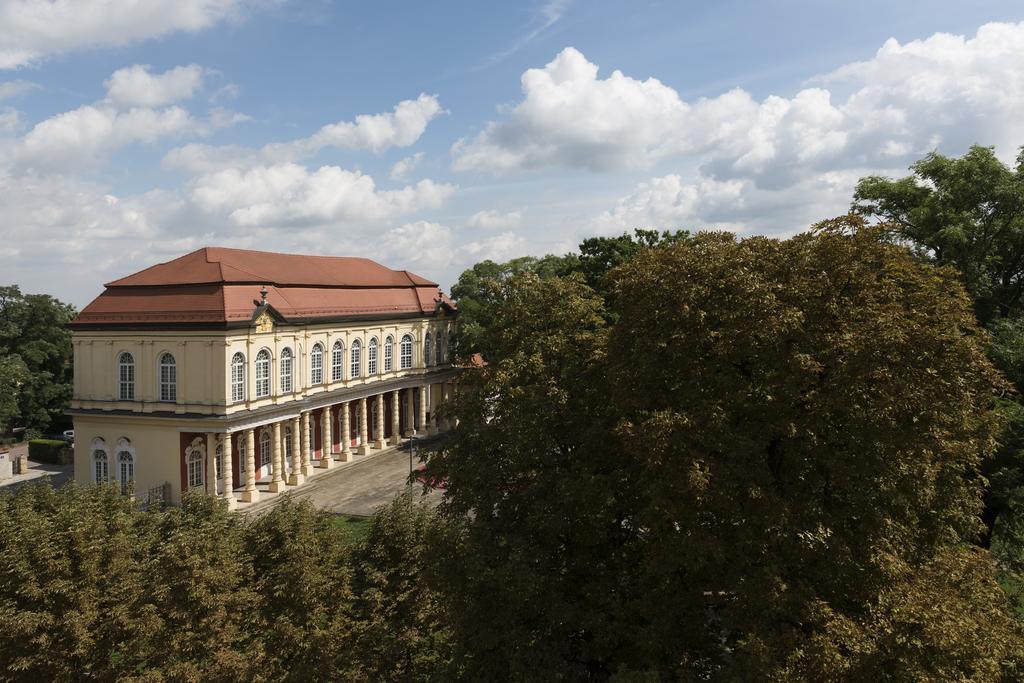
(238, 372)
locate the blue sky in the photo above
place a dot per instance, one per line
(432, 135)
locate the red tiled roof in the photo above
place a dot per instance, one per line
(219, 286)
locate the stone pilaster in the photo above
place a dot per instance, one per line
(396, 423)
(276, 460)
(211, 464)
(379, 442)
(328, 459)
(229, 476)
(364, 433)
(297, 476)
(307, 466)
(346, 433)
(251, 494)
(423, 429)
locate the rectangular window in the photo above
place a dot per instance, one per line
(168, 383)
(286, 374)
(388, 356)
(195, 473)
(218, 463)
(316, 374)
(237, 382)
(127, 382)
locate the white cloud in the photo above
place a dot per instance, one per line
(16, 87)
(499, 248)
(374, 132)
(945, 90)
(489, 219)
(10, 120)
(418, 244)
(83, 135)
(401, 168)
(31, 30)
(290, 194)
(135, 86)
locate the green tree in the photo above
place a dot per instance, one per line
(33, 330)
(479, 289)
(968, 212)
(735, 480)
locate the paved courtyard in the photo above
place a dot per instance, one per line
(356, 488)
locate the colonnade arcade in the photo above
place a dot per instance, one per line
(284, 452)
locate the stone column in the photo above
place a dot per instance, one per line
(327, 460)
(297, 476)
(396, 424)
(444, 424)
(229, 476)
(276, 481)
(251, 494)
(364, 433)
(211, 463)
(423, 429)
(408, 429)
(346, 433)
(307, 467)
(379, 427)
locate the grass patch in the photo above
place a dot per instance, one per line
(354, 526)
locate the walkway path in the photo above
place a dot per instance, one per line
(353, 488)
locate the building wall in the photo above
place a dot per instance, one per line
(202, 361)
(156, 450)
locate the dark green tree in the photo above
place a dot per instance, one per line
(33, 330)
(746, 476)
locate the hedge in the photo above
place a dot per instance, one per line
(45, 450)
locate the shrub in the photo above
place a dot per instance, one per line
(45, 450)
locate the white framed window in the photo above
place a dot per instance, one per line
(100, 461)
(126, 377)
(241, 451)
(286, 434)
(264, 448)
(168, 378)
(337, 361)
(426, 350)
(316, 365)
(405, 352)
(286, 370)
(238, 377)
(389, 354)
(263, 373)
(125, 470)
(194, 468)
(218, 462)
(438, 350)
(371, 357)
(355, 366)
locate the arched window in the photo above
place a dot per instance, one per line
(405, 352)
(100, 461)
(316, 365)
(451, 345)
(126, 377)
(286, 436)
(264, 448)
(337, 361)
(286, 370)
(438, 350)
(263, 374)
(168, 378)
(426, 350)
(389, 354)
(355, 365)
(238, 377)
(241, 451)
(371, 358)
(125, 469)
(194, 467)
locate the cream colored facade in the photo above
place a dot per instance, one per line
(165, 444)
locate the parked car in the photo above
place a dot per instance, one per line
(69, 435)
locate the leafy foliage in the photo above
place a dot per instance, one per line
(735, 478)
(35, 359)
